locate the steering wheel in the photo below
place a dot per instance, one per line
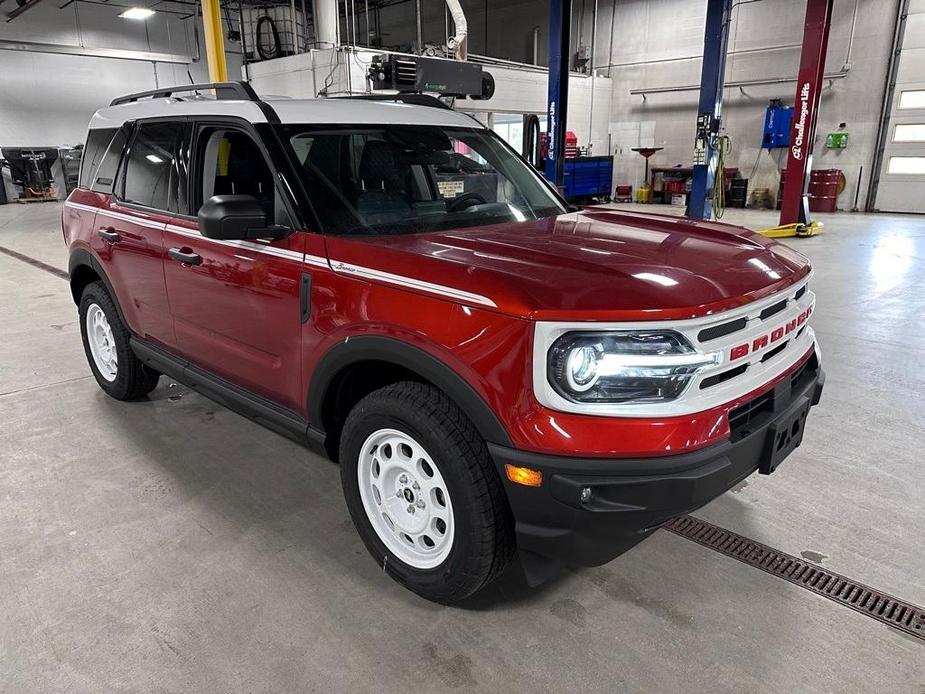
(465, 200)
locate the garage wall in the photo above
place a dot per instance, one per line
(658, 43)
(48, 98)
(670, 30)
(644, 31)
(499, 28)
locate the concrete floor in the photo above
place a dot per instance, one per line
(170, 545)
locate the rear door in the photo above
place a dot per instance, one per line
(130, 233)
(79, 214)
(236, 304)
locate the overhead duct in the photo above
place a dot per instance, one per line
(457, 42)
(325, 17)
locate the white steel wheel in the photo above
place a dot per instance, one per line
(102, 344)
(405, 498)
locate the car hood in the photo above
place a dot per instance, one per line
(597, 264)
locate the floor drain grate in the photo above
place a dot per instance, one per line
(884, 608)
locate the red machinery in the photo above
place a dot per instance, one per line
(571, 145)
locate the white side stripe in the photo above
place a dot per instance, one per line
(247, 245)
(132, 220)
(314, 260)
(402, 281)
(140, 221)
(80, 206)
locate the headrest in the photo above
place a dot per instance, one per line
(379, 162)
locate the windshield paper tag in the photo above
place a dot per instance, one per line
(450, 189)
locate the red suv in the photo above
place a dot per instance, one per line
(386, 281)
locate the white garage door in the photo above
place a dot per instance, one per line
(902, 176)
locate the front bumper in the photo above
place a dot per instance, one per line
(631, 498)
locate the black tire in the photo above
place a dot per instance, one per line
(133, 379)
(483, 542)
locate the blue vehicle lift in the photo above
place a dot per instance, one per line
(709, 111)
(560, 12)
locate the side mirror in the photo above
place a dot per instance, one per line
(237, 217)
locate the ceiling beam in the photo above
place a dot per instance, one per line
(28, 5)
(118, 53)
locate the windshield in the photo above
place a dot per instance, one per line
(397, 179)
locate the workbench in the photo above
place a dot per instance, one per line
(673, 180)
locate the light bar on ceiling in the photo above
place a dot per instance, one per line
(137, 13)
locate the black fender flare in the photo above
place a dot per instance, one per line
(81, 257)
(387, 349)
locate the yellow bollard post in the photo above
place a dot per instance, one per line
(215, 41)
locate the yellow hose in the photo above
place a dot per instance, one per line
(724, 146)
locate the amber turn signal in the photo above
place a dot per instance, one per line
(523, 475)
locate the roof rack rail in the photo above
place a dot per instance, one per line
(223, 90)
(414, 98)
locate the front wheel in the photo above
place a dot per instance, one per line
(423, 492)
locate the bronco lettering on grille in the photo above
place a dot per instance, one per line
(770, 338)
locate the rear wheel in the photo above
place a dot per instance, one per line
(106, 343)
(423, 492)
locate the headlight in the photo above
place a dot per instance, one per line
(615, 367)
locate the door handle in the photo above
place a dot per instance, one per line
(185, 256)
(108, 234)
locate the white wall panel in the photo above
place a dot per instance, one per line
(48, 98)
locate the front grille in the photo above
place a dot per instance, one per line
(774, 352)
(722, 330)
(806, 370)
(725, 376)
(742, 416)
(772, 310)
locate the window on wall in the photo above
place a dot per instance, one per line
(909, 132)
(510, 128)
(914, 98)
(906, 165)
(150, 172)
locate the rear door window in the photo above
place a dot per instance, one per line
(151, 174)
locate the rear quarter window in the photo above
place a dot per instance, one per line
(94, 149)
(101, 180)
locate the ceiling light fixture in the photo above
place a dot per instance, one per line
(137, 13)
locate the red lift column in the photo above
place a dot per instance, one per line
(795, 205)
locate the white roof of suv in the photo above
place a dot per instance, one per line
(323, 111)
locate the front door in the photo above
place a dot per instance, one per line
(236, 304)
